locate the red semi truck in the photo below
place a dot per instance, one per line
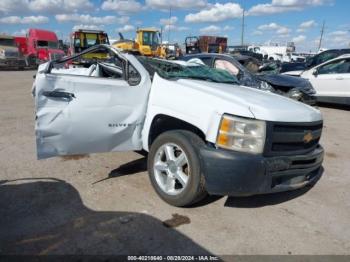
(39, 46)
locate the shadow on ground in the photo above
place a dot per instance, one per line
(130, 168)
(264, 200)
(48, 217)
(269, 199)
(140, 165)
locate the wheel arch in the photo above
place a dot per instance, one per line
(162, 123)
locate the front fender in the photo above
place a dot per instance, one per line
(209, 129)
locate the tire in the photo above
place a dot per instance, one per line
(182, 142)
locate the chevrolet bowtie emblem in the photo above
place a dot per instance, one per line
(308, 137)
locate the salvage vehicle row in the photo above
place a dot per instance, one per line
(331, 80)
(293, 87)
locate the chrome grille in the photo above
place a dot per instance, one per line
(55, 56)
(292, 138)
(11, 53)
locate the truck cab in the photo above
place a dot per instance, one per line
(10, 56)
(83, 39)
(203, 131)
(148, 41)
(42, 46)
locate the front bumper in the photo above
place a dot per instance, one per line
(241, 174)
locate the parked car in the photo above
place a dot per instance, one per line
(9, 54)
(292, 87)
(331, 80)
(202, 134)
(39, 46)
(277, 67)
(247, 53)
(318, 59)
(325, 56)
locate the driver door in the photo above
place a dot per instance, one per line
(77, 113)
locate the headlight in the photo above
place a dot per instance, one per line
(241, 134)
(312, 91)
(295, 94)
(2, 53)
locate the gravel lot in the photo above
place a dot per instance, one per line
(104, 203)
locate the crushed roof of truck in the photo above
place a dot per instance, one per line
(180, 69)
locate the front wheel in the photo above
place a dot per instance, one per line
(174, 168)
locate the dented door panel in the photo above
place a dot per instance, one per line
(103, 115)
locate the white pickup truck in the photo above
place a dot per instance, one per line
(204, 134)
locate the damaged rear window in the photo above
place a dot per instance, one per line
(175, 71)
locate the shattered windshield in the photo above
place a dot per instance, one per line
(171, 70)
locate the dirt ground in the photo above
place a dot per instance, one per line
(104, 203)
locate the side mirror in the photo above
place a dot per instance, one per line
(315, 72)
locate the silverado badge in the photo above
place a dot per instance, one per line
(307, 137)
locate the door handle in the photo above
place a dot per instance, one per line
(59, 94)
(339, 78)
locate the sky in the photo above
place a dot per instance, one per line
(277, 21)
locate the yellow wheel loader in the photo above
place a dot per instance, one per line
(147, 43)
(83, 39)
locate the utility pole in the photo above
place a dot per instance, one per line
(321, 38)
(242, 30)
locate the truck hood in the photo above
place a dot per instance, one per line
(284, 80)
(263, 105)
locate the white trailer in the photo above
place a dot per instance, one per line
(274, 51)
